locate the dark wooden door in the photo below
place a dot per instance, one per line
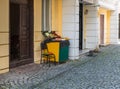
(101, 29)
(80, 25)
(24, 29)
(24, 32)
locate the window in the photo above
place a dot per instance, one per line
(46, 15)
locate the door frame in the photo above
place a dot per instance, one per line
(31, 3)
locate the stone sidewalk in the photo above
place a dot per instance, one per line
(101, 71)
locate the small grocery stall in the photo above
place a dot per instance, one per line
(57, 45)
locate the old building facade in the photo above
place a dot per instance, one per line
(87, 23)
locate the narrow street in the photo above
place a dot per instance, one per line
(102, 71)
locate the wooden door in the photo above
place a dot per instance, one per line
(24, 21)
(101, 29)
(24, 32)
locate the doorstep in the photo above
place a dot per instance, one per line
(84, 51)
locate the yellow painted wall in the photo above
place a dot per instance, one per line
(54, 15)
(107, 23)
(37, 29)
(57, 16)
(59, 25)
(108, 28)
(4, 36)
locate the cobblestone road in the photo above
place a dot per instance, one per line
(99, 72)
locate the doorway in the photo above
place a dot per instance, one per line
(21, 32)
(80, 25)
(101, 29)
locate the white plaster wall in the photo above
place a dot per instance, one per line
(92, 27)
(114, 21)
(71, 26)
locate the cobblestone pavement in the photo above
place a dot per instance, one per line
(102, 71)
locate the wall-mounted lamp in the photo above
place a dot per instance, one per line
(86, 12)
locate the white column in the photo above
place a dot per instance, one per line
(71, 26)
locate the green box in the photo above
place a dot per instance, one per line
(63, 53)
